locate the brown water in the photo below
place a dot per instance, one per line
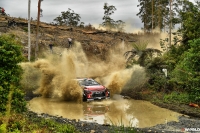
(53, 78)
(117, 111)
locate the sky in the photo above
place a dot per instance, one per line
(91, 11)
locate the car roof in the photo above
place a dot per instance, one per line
(84, 79)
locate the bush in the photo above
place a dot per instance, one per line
(187, 71)
(11, 97)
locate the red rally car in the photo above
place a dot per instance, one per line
(92, 90)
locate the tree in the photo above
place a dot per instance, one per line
(143, 53)
(29, 26)
(188, 16)
(11, 97)
(108, 11)
(37, 30)
(187, 71)
(69, 18)
(155, 13)
(108, 22)
(119, 25)
(143, 14)
(190, 21)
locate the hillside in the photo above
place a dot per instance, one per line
(93, 41)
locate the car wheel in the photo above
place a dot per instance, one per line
(84, 98)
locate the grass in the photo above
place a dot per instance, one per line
(121, 128)
(175, 97)
(28, 123)
(20, 123)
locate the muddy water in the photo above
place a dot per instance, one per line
(53, 78)
(53, 75)
(115, 111)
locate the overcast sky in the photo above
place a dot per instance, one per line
(91, 11)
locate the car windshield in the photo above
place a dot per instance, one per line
(88, 82)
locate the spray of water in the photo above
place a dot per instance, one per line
(31, 77)
(58, 73)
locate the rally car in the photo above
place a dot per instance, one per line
(92, 90)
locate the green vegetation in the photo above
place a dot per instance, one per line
(18, 123)
(10, 75)
(68, 18)
(116, 127)
(183, 75)
(11, 97)
(187, 71)
(176, 97)
(144, 54)
(181, 82)
(153, 14)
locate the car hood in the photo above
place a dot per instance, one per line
(95, 88)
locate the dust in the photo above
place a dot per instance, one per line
(58, 79)
(59, 70)
(125, 79)
(31, 77)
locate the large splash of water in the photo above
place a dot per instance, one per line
(58, 72)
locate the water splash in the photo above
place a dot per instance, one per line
(58, 73)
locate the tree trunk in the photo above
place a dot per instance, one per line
(37, 34)
(29, 40)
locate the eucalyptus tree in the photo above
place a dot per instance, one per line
(108, 22)
(161, 14)
(155, 13)
(144, 13)
(37, 30)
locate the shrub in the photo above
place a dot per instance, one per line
(187, 70)
(10, 75)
